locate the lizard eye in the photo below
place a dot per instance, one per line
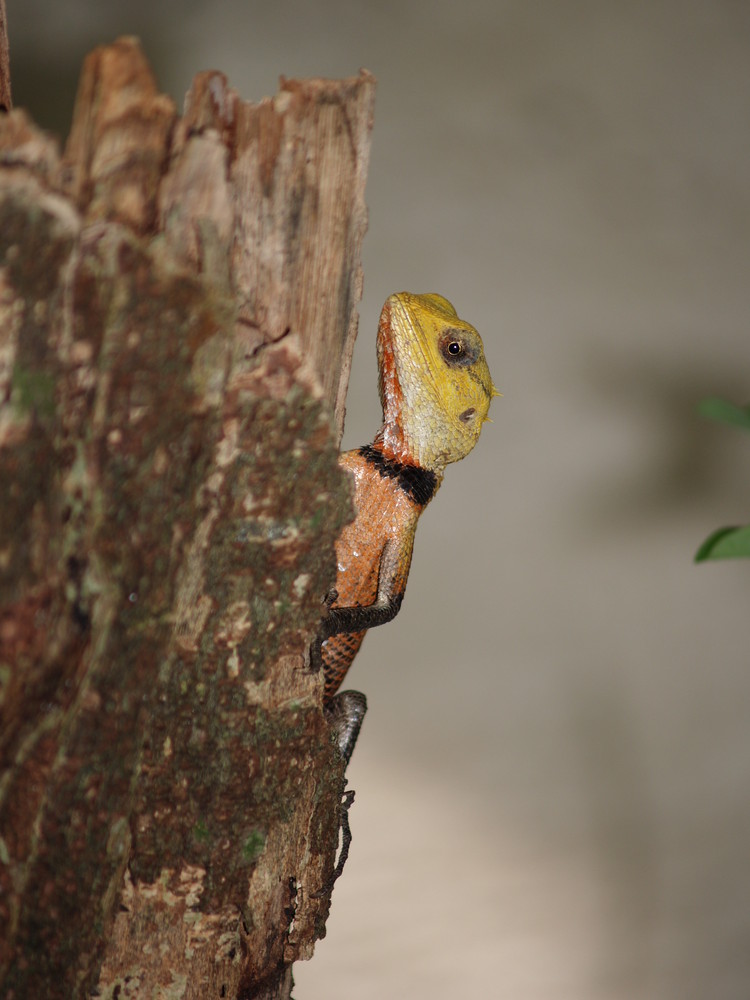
(457, 348)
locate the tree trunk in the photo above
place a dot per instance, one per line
(6, 102)
(177, 316)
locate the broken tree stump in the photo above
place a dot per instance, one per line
(177, 315)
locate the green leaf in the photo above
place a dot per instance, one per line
(725, 543)
(725, 412)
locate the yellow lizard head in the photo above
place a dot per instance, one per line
(435, 385)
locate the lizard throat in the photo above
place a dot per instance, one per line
(419, 484)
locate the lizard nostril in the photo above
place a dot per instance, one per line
(467, 415)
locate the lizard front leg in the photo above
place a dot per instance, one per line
(347, 709)
(355, 619)
(393, 568)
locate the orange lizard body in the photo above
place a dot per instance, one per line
(386, 521)
(435, 388)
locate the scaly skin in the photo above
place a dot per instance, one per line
(435, 389)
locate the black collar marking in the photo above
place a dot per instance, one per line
(419, 484)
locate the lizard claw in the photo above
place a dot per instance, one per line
(331, 597)
(316, 655)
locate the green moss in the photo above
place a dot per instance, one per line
(34, 391)
(201, 832)
(254, 846)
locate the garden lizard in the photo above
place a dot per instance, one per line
(435, 390)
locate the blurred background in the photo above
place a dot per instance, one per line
(553, 779)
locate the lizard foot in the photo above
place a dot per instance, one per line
(345, 712)
(315, 656)
(346, 842)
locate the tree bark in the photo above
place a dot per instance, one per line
(177, 316)
(6, 102)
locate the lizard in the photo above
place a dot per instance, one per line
(435, 390)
